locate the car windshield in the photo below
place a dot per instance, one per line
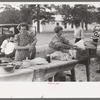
(8, 30)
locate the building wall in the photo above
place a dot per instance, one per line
(49, 27)
(90, 26)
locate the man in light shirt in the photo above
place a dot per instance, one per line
(9, 50)
(4, 45)
(78, 33)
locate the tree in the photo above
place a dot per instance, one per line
(36, 12)
(26, 13)
(10, 15)
(90, 16)
(65, 10)
(79, 12)
(38, 18)
(98, 15)
(40, 13)
(84, 13)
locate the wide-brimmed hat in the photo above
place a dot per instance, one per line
(95, 35)
(57, 29)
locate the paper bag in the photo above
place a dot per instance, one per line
(80, 44)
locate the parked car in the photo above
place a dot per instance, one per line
(8, 30)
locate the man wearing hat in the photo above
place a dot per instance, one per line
(58, 42)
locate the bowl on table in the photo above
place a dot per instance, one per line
(26, 63)
(9, 68)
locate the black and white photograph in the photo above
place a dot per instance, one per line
(51, 43)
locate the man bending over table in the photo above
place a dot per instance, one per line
(58, 42)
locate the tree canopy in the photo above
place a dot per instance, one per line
(10, 15)
(29, 12)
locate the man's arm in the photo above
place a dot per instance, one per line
(34, 42)
(21, 47)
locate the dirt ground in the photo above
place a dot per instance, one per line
(80, 70)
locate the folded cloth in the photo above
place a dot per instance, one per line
(39, 61)
(58, 55)
(72, 53)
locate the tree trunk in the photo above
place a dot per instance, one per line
(65, 25)
(86, 26)
(38, 18)
(72, 25)
(82, 23)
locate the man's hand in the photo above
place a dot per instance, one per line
(76, 47)
(35, 41)
(30, 47)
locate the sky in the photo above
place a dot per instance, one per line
(71, 4)
(16, 4)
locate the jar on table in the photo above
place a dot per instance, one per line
(26, 63)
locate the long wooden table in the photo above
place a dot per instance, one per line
(41, 73)
(46, 71)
